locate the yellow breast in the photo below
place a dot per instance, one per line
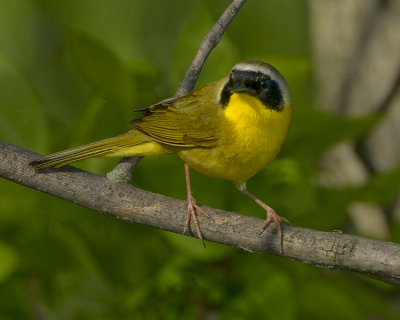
(251, 136)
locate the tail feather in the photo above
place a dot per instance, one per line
(112, 147)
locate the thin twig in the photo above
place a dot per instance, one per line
(208, 44)
(123, 171)
(332, 250)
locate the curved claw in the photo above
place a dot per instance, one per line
(272, 216)
(192, 209)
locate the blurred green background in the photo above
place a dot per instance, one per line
(70, 73)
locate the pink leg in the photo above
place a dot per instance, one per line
(192, 209)
(272, 216)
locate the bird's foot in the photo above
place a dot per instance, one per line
(192, 209)
(272, 216)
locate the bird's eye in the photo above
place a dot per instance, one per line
(265, 82)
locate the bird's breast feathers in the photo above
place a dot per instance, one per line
(252, 135)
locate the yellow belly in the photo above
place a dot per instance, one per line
(252, 135)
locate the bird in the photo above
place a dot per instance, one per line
(228, 129)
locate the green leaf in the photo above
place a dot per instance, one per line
(8, 260)
(315, 131)
(322, 301)
(21, 116)
(219, 63)
(192, 247)
(381, 189)
(100, 66)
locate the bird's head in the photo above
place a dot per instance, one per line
(260, 80)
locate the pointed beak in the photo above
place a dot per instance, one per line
(239, 87)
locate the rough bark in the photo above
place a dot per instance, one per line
(332, 250)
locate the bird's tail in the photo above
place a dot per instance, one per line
(132, 143)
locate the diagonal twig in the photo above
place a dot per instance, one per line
(208, 44)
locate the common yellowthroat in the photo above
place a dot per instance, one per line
(228, 129)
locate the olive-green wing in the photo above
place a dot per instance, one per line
(187, 121)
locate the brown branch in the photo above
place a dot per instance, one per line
(332, 250)
(123, 171)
